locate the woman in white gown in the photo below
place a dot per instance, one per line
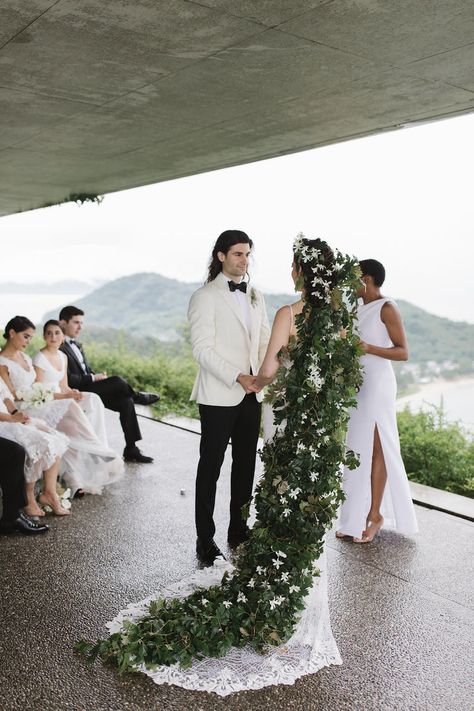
(277, 590)
(87, 464)
(51, 369)
(377, 491)
(44, 448)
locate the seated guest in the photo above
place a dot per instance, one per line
(12, 483)
(44, 448)
(51, 369)
(87, 464)
(114, 391)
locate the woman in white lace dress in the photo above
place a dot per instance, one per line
(43, 446)
(87, 463)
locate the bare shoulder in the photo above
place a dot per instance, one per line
(283, 313)
(390, 311)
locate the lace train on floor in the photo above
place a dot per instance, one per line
(311, 647)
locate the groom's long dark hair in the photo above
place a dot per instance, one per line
(225, 241)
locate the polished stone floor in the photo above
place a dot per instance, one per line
(401, 609)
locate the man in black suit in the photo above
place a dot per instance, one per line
(114, 391)
(12, 483)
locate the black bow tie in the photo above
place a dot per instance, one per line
(242, 286)
(74, 343)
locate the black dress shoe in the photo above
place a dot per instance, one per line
(23, 524)
(133, 454)
(235, 539)
(208, 551)
(146, 398)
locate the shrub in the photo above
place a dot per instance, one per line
(436, 452)
(172, 375)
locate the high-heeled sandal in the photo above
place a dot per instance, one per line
(54, 505)
(372, 530)
(36, 514)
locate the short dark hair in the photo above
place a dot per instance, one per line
(51, 322)
(18, 324)
(225, 241)
(67, 312)
(373, 268)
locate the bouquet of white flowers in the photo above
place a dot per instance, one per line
(35, 396)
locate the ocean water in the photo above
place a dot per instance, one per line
(457, 398)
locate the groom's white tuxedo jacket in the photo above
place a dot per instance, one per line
(224, 342)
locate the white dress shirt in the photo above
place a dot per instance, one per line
(244, 306)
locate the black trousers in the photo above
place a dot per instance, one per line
(12, 478)
(117, 395)
(241, 424)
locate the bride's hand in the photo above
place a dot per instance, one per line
(248, 383)
(77, 395)
(21, 417)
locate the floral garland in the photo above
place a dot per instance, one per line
(296, 500)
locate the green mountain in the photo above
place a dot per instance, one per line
(150, 306)
(433, 338)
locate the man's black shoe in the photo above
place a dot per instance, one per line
(133, 454)
(208, 552)
(235, 539)
(23, 524)
(146, 398)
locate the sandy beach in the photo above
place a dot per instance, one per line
(456, 396)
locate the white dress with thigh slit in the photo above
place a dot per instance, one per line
(376, 408)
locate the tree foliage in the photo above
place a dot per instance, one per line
(437, 452)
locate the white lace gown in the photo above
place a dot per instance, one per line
(87, 464)
(91, 405)
(311, 647)
(376, 408)
(42, 444)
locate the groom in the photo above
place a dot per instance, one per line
(229, 337)
(114, 391)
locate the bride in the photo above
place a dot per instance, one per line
(265, 620)
(87, 464)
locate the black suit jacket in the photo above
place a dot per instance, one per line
(75, 375)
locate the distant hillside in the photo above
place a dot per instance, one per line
(435, 338)
(150, 305)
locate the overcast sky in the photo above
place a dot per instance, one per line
(405, 198)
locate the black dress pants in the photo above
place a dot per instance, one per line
(12, 478)
(117, 395)
(241, 424)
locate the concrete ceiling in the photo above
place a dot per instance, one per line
(100, 96)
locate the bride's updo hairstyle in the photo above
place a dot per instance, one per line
(18, 324)
(315, 261)
(225, 241)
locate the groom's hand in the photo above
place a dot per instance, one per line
(98, 376)
(248, 383)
